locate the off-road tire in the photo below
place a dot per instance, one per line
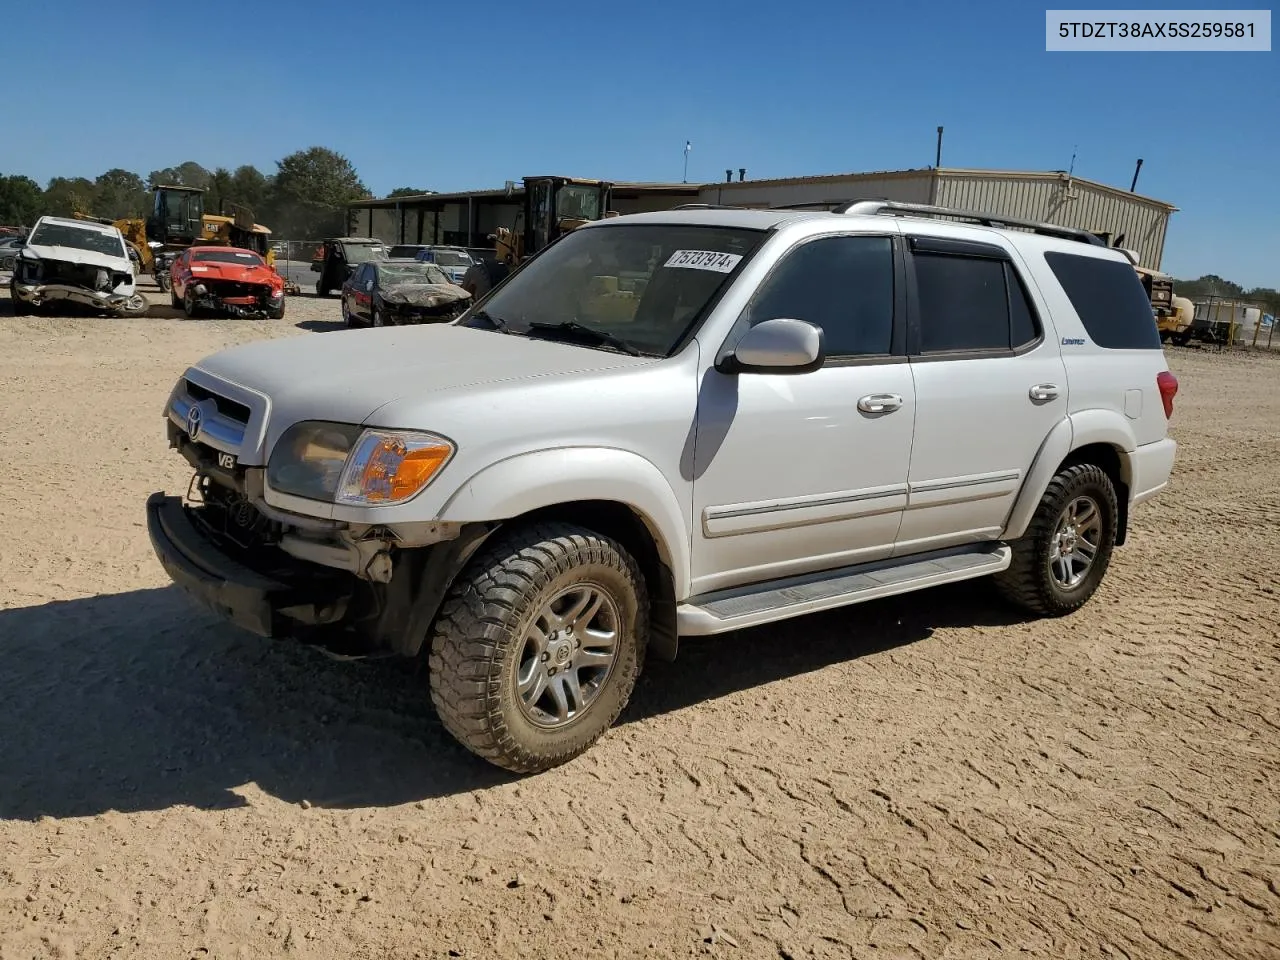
(1027, 582)
(476, 642)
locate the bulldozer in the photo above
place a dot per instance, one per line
(178, 221)
(553, 206)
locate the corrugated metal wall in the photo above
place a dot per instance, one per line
(1142, 224)
(762, 193)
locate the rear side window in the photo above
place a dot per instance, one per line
(971, 304)
(1110, 300)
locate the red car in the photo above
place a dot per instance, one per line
(226, 280)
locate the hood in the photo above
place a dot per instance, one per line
(87, 257)
(348, 375)
(423, 294)
(216, 270)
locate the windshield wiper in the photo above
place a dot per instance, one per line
(573, 326)
(498, 323)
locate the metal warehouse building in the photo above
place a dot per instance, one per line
(1120, 217)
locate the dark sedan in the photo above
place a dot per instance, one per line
(385, 292)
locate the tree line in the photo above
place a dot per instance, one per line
(304, 198)
(1212, 285)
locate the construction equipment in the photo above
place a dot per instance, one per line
(552, 207)
(178, 221)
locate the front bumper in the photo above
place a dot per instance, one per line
(37, 294)
(266, 604)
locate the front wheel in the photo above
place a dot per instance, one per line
(20, 307)
(538, 646)
(1060, 561)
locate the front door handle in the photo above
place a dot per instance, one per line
(880, 403)
(1042, 392)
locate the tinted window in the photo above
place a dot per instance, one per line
(1023, 327)
(842, 284)
(963, 305)
(1110, 300)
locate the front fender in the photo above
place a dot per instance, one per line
(1070, 433)
(546, 478)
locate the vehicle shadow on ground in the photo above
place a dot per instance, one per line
(320, 326)
(137, 701)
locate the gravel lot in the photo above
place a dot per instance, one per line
(924, 777)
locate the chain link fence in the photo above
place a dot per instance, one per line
(293, 262)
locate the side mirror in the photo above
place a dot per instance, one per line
(777, 346)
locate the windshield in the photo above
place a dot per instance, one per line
(65, 235)
(362, 252)
(578, 202)
(393, 275)
(448, 258)
(243, 257)
(403, 252)
(643, 284)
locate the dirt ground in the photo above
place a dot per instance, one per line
(924, 777)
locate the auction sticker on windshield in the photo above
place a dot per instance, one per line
(704, 260)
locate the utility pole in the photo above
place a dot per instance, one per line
(938, 160)
(687, 147)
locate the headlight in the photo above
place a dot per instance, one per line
(349, 464)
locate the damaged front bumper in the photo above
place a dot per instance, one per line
(237, 301)
(263, 602)
(39, 294)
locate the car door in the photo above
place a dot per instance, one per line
(360, 297)
(990, 385)
(798, 472)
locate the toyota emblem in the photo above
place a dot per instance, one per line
(194, 417)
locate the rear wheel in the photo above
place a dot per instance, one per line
(1060, 561)
(174, 299)
(189, 305)
(379, 319)
(538, 646)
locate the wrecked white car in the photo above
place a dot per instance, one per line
(75, 261)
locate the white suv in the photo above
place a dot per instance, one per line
(667, 424)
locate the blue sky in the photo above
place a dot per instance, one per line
(457, 96)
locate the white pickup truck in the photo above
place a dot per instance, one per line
(674, 424)
(75, 261)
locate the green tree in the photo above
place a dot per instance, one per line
(21, 201)
(188, 174)
(310, 192)
(119, 193)
(221, 189)
(406, 192)
(249, 186)
(65, 196)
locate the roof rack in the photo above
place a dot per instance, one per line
(707, 206)
(875, 207)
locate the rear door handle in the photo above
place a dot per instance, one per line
(1044, 391)
(880, 403)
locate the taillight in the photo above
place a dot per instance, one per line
(1168, 385)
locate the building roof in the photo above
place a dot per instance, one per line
(691, 189)
(623, 188)
(1060, 175)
